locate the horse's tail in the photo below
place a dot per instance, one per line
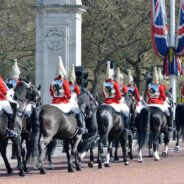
(144, 127)
(35, 136)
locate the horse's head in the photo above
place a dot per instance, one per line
(86, 103)
(25, 91)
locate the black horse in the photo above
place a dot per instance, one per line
(51, 123)
(110, 126)
(27, 94)
(21, 91)
(179, 120)
(152, 122)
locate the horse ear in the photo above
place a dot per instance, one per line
(28, 79)
(39, 87)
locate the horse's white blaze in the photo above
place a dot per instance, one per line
(166, 149)
(156, 156)
(140, 156)
(107, 158)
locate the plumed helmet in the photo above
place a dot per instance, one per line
(130, 78)
(60, 71)
(160, 76)
(15, 71)
(155, 76)
(117, 75)
(72, 77)
(121, 77)
(108, 71)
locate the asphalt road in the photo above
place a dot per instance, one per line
(168, 170)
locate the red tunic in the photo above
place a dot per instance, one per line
(136, 93)
(160, 99)
(76, 88)
(3, 90)
(117, 97)
(124, 90)
(66, 87)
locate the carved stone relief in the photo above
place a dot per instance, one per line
(55, 39)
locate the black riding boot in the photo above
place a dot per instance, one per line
(126, 122)
(169, 120)
(81, 124)
(11, 133)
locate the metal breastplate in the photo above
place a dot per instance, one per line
(72, 86)
(153, 90)
(130, 90)
(109, 89)
(58, 89)
(12, 83)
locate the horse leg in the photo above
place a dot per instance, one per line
(116, 158)
(156, 146)
(39, 164)
(90, 163)
(17, 143)
(124, 139)
(166, 142)
(150, 144)
(100, 151)
(130, 141)
(109, 149)
(75, 152)
(69, 157)
(178, 133)
(3, 153)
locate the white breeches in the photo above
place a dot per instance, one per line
(72, 105)
(28, 110)
(5, 105)
(139, 106)
(162, 107)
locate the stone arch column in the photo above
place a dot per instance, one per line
(58, 33)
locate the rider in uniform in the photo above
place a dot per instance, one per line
(112, 94)
(60, 90)
(5, 105)
(132, 88)
(156, 96)
(75, 92)
(124, 91)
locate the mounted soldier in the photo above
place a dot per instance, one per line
(75, 92)
(157, 97)
(61, 93)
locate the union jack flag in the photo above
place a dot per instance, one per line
(159, 30)
(179, 50)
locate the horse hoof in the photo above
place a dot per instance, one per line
(100, 166)
(50, 168)
(26, 170)
(164, 154)
(126, 163)
(70, 170)
(42, 171)
(107, 165)
(78, 168)
(140, 160)
(176, 149)
(22, 173)
(90, 164)
(156, 159)
(9, 171)
(116, 158)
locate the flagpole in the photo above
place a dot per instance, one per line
(172, 45)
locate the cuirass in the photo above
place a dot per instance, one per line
(12, 83)
(72, 86)
(109, 89)
(153, 90)
(57, 86)
(130, 90)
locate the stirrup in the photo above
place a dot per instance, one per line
(82, 130)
